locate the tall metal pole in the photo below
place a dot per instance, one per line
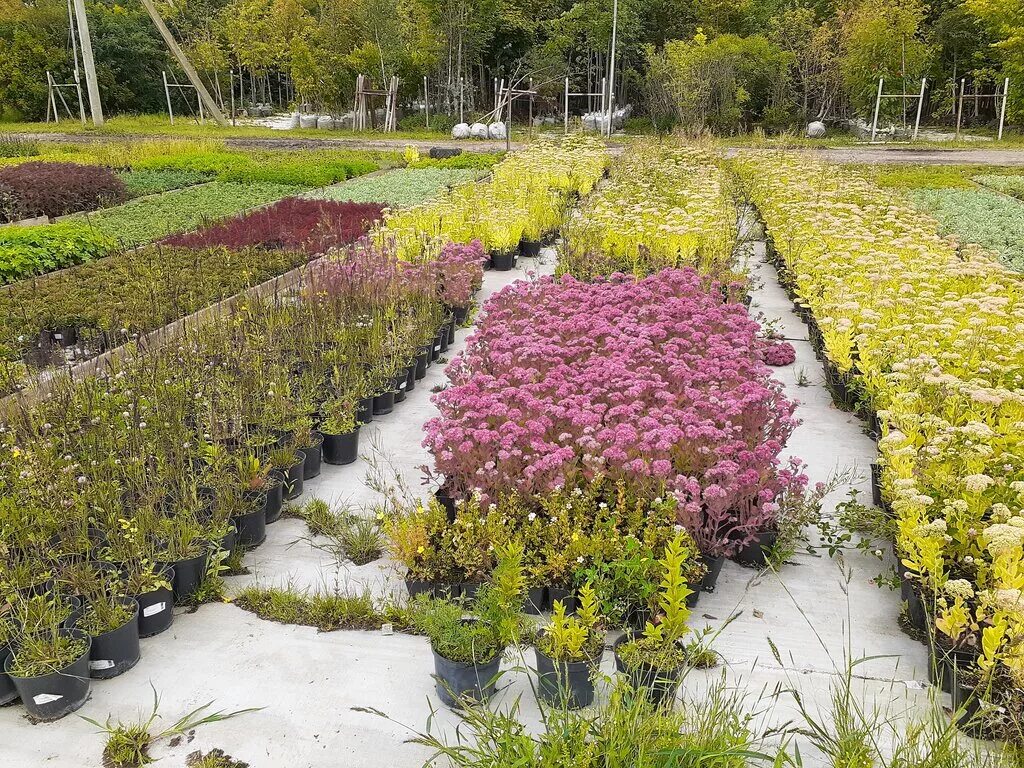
(167, 92)
(88, 63)
(611, 68)
(426, 102)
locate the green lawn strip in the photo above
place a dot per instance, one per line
(145, 182)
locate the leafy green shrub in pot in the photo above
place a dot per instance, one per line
(655, 658)
(569, 652)
(50, 669)
(468, 647)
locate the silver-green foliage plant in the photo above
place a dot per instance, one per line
(400, 188)
(980, 216)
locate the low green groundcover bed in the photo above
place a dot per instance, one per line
(989, 219)
(30, 251)
(153, 181)
(400, 188)
(142, 221)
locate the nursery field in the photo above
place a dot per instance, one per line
(549, 458)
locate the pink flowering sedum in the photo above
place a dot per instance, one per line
(657, 382)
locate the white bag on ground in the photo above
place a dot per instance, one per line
(293, 121)
(307, 121)
(496, 130)
(478, 131)
(461, 131)
(816, 129)
(325, 123)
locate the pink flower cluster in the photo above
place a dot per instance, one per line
(460, 271)
(368, 275)
(657, 382)
(778, 352)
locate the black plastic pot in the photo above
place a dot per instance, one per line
(424, 359)
(156, 608)
(293, 479)
(364, 410)
(659, 685)
(442, 339)
(566, 596)
(460, 314)
(694, 596)
(714, 566)
(755, 552)
(188, 575)
(432, 588)
(398, 385)
(451, 330)
(568, 681)
(947, 666)
(58, 693)
(435, 347)
(275, 497)
(410, 378)
(341, 449)
(529, 248)
(383, 403)
(876, 484)
(230, 540)
(251, 527)
(503, 262)
(313, 456)
(916, 613)
(115, 652)
(966, 704)
(536, 601)
(447, 501)
(8, 692)
(457, 681)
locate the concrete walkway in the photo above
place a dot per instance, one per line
(309, 682)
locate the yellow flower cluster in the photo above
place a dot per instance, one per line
(525, 198)
(664, 206)
(932, 334)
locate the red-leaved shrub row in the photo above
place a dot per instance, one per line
(56, 189)
(295, 223)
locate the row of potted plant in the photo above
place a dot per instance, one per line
(121, 492)
(924, 337)
(522, 203)
(469, 636)
(664, 205)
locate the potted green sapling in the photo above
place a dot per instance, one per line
(468, 645)
(568, 651)
(654, 658)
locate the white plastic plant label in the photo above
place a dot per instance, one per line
(100, 664)
(155, 608)
(46, 698)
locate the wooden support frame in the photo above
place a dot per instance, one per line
(54, 91)
(603, 94)
(999, 100)
(360, 110)
(902, 96)
(182, 87)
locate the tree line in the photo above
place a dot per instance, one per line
(726, 65)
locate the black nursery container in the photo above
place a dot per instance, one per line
(755, 553)
(313, 456)
(399, 385)
(275, 497)
(457, 681)
(364, 410)
(58, 693)
(115, 652)
(503, 262)
(156, 608)
(8, 691)
(384, 403)
(714, 566)
(188, 575)
(660, 685)
(341, 449)
(530, 248)
(569, 681)
(252, 526)
(293, 484)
